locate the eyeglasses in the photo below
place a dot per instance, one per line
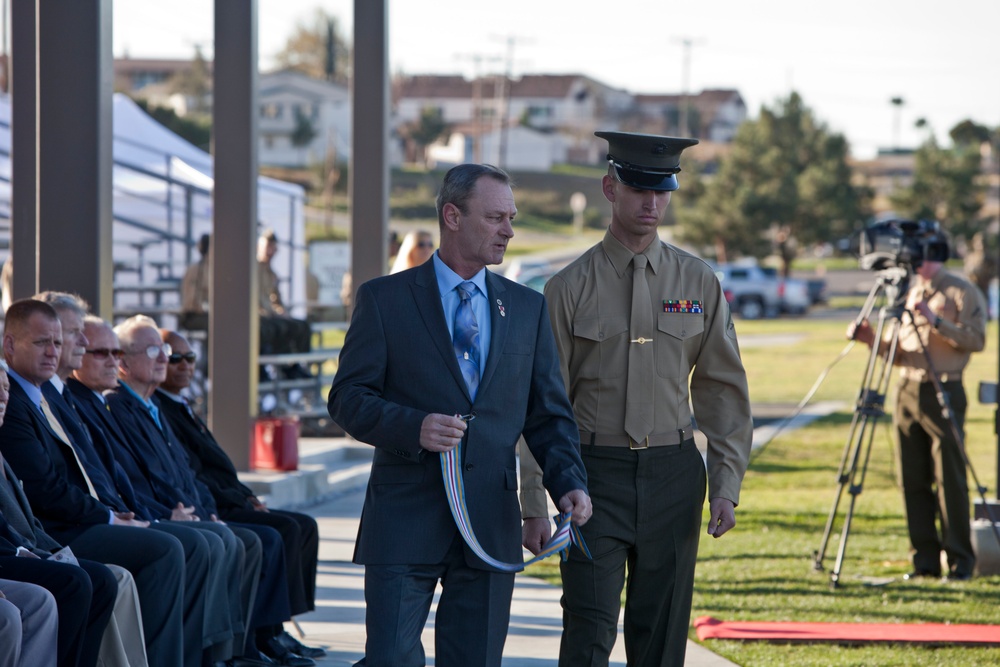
(178, 357)
(105, 352)
(153, 351)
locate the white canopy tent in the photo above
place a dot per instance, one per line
(163, 204)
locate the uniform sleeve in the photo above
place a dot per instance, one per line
(968, 332)
(721, 399)
(533, 500)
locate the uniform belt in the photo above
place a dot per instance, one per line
(669, 439)
(942, 377)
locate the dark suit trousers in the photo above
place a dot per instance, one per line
(223, 618)
(300, 537)
(647, 520)
(85, 597)
(471, 621)
(197, 565)
(156, 562)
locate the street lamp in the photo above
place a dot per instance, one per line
(897, 102)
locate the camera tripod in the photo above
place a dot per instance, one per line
(870, 407)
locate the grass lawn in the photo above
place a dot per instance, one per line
(763, 569)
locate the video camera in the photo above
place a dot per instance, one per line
(902, 244)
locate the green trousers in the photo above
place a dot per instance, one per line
(932, 475)
(645, 529)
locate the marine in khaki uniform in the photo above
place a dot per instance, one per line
(638, 350)
(943, 324)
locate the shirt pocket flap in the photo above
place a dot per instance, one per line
(599, 328)
(680, 325)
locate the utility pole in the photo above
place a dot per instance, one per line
(503, 97)
(685, 115)
(477, 101)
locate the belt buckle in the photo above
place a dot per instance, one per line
(632, 444)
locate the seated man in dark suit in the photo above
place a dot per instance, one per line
(211, 600)
(234, 500)
(61, 495)
(168, 476)
(84, 594)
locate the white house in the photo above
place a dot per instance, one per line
(291, 101)
(570, 105)
(526, 149)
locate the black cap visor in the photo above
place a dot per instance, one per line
(644, 179)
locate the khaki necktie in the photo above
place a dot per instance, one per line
(58, 429)
(641, 361)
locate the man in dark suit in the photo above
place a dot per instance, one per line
(170, 480)
(236, 502)
(61, 495)
(208, 598)
(84, 594)
(413, 360)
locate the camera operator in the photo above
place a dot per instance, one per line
(943, 323)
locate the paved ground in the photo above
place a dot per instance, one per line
(338, 622)
(533, 640)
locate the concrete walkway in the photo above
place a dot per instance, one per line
(338, 624)
(330, 485)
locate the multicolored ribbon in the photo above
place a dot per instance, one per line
(567, 533)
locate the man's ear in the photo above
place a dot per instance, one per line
(608, 187)
(8, 347)
(451, 215)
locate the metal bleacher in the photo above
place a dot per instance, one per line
(158, 216)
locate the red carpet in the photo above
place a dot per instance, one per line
(847, 633)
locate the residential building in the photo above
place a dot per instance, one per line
(711, 115)
(483, 112)
(302, 120)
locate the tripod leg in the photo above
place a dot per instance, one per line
(870, 407)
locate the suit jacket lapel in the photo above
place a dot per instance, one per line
(428, 302)
(496, 293)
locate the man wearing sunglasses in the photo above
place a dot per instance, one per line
(236, 502)
(643, 331)
(62, 495)
(170, 479)
(213, 621)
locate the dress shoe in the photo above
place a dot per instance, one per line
(274, 650)
(958, 576)
(298, 648)
(246, 662)
(921, 574)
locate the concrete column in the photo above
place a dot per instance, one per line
(74, 149)
(369, 184)
(24, 145)
(234, 331)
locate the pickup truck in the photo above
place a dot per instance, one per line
(754, 292)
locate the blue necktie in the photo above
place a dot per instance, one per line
(466, 338)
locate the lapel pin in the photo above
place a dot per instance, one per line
(500, 306)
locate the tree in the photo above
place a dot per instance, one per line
(194, 83)
(316, 49)
(946, 184)
(968, 133)
(786, 177)
(197, 131)
(422, 133)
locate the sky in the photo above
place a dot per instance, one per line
(846, 59)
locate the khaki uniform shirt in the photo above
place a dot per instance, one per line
(697, 356)
(194, 288)
(270, 303)
(962, 331)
